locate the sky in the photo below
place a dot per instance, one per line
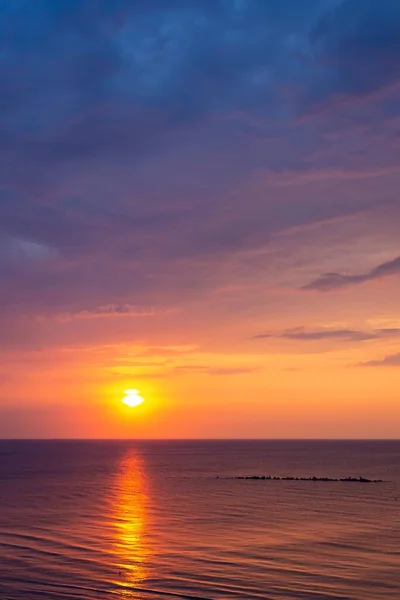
(199, 199)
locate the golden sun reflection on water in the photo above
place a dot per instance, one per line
(131, 522)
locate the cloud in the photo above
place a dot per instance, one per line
(346, 335)
(181, 60)
(167, 351)
(233, 370)
(393, 360)
(18, 251)
(182, 370)
(328, 334)
(217, 371)
(111, 52)
(360, 44)
(109, 310)
(188, 369)
(332, 281)
(139, 140)
(262, 336)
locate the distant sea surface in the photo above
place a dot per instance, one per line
(142, 520)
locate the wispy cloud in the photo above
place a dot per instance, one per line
(218, 371)
(109, 310)
(169, 371)
(167, 351)
(233, 370)
(345, 335)
(332, 281)
(329, 334)
(392, 360)
(262, 336)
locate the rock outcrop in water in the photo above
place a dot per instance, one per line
(343, 479)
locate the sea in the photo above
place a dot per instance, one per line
(167, 519)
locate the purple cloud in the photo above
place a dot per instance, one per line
(346, 335)
(392, 360)
(333, 281)
(360, 45)
(139, 141)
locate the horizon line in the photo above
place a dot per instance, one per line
(101, 439)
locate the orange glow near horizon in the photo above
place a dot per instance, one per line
(270, 388)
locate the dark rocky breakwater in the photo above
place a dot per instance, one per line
(333, 479)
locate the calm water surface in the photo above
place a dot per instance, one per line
(142, 520)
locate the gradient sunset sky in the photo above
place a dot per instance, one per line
(200, 199)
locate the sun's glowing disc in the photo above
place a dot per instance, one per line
(132, 398)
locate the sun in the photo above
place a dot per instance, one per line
(132, 398)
